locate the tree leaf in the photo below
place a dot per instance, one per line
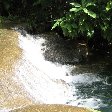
(75, 9)
(75, 4)
(90, 4)
(55, 24)
(90, 13)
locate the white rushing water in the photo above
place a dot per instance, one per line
(47, 82)
(43, 80)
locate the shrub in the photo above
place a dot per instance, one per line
(85, 17)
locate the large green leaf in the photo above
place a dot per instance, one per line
(75, 9)
(90, 13)
(57, 23)
(75, 4)
(90, 4)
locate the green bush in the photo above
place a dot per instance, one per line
(85, 17)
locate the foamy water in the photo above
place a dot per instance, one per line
(47, 82)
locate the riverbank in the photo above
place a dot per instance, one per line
(11, 93)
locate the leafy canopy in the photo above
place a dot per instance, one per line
(85, 16)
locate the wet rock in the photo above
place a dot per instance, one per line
(51, 108)
(64, 51)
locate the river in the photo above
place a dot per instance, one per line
(28, 78)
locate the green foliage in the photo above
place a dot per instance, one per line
(75, 17)
(85, 16)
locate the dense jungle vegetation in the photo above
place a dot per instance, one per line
(90, 20)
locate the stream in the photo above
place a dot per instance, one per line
(46, 82)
